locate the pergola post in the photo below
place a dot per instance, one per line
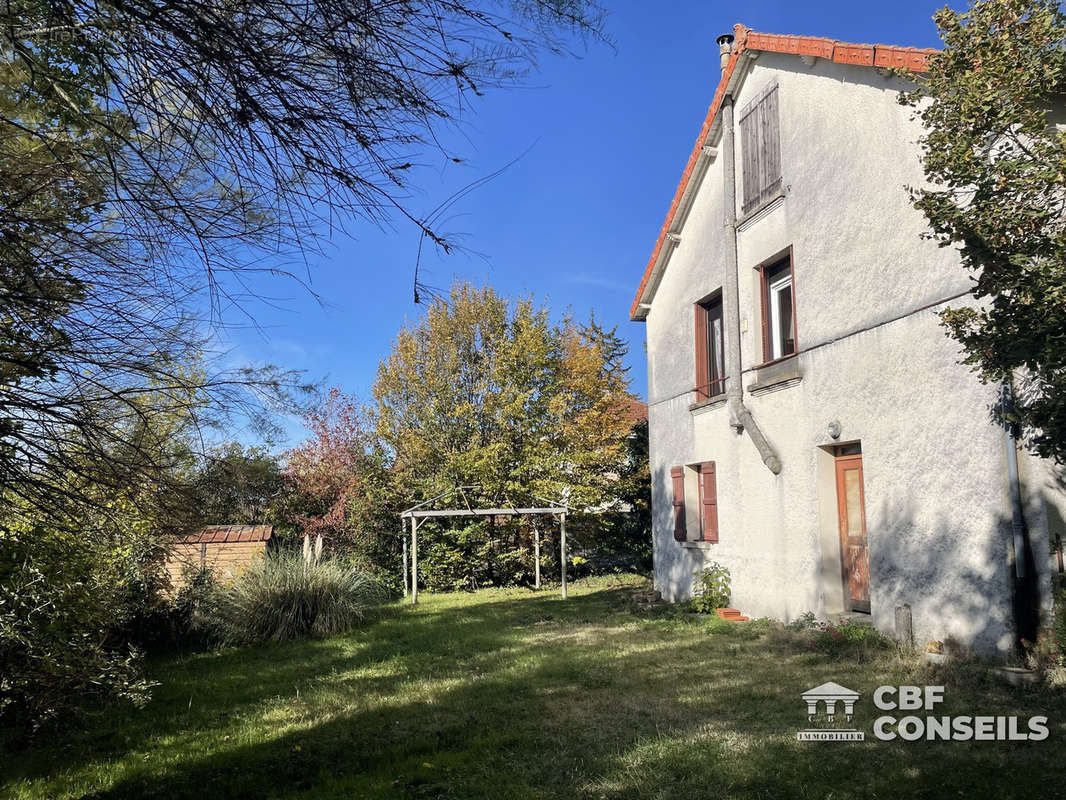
(414, 562)
(562, 549)
(403, 538)
(536, 557)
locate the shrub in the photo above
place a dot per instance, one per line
(198, 607)
(711, 588)
(285, 596)
(454, 558)
(849, 639)
(143, 615)
(1058, 622)
(804, 622)
(59, 598)
(1047, 655)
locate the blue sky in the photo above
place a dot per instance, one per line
(574, 220)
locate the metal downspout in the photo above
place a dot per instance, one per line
(739, 415)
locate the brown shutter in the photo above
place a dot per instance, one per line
(703, 378)
(764, 292)
(709, 502)
(677, 478)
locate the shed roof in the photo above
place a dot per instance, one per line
(228, 534)
(748, 42)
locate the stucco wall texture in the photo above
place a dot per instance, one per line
(873, 357)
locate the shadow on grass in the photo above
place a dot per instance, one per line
(202, 691)
(535, 697)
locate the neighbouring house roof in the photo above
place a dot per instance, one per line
(749, 41)
(228, 534)
(636, 411)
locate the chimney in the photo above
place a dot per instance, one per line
(725, 47)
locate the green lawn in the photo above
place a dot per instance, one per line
(507, 694)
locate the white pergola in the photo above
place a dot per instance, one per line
(418, 514)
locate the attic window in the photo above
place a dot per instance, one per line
(760, 135)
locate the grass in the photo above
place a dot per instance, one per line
(507, 694)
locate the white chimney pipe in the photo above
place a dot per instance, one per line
(725, 48)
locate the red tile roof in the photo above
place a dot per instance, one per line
(636, 410)
(228, 534)
(867, 55)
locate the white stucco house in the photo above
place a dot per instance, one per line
(811, 428)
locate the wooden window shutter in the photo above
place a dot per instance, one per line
(760, 134)
(703, 378)
(709, 501)
(750, 143)
(677, 478)
(772, 176)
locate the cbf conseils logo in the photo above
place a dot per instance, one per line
(830, 695)
(837, 700)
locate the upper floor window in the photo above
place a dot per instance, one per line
(710, 348)
(761, 145)
(778, 310)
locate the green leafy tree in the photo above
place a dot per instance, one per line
(337, 486)
(491, 394)
(238, 485)
(619, 536)
(485, 392)
(995, 154)
(155, 158)
(82, 583)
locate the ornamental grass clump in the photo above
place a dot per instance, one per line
(290, 596)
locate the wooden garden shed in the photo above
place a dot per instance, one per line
(226, 549)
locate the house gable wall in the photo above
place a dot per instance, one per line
(872, 356)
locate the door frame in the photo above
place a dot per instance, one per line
(840, 463)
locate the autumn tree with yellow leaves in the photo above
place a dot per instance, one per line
(493, 394)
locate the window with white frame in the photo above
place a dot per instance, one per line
(778, 310)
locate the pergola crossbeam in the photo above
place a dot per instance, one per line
(483, 512)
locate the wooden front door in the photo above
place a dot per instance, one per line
(851, 511)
